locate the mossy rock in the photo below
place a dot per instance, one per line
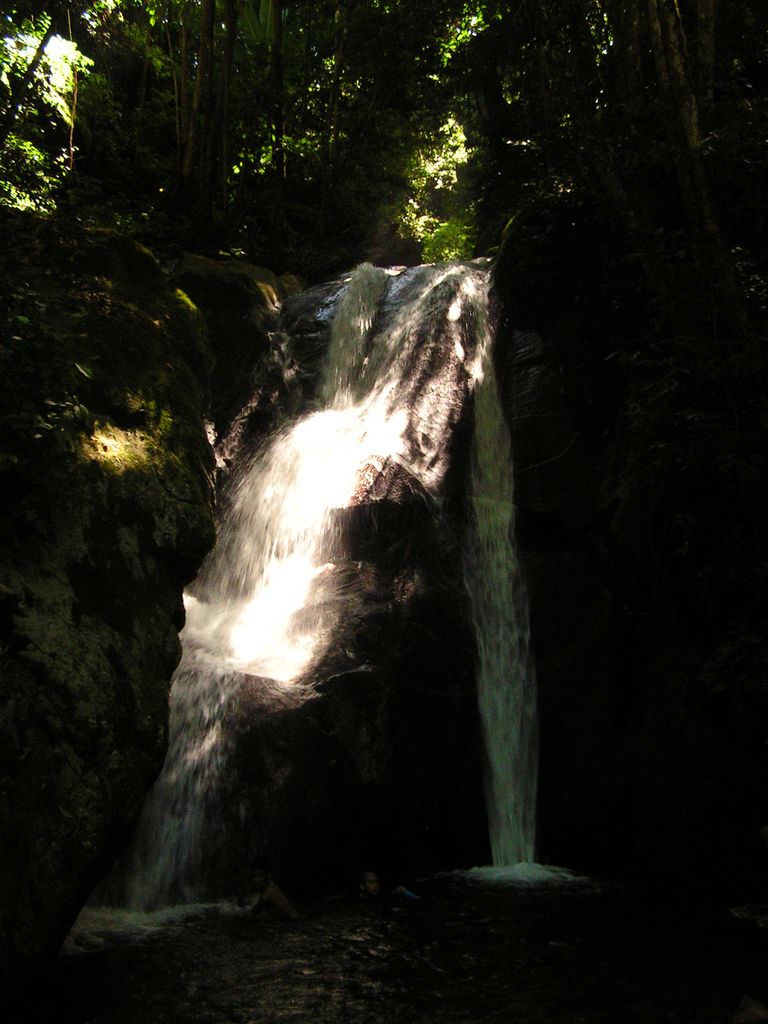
(104, 454)
(240, 302)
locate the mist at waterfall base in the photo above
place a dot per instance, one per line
(268, 617)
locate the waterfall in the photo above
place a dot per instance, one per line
(506, 683)
(264, 608)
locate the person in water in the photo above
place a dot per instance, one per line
(370, 888)
(266, 894)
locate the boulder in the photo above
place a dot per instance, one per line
(383, 764)
(645, 579)
(239, 302)
(107, 476)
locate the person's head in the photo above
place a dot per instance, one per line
(369, 884)
(260, 873)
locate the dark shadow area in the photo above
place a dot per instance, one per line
(575, 953)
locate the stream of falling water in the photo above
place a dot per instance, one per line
(505, 676)
(263, 605)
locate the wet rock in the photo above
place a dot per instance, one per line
(240, 302)
(384, 761)
(652, 705)
(574, 623)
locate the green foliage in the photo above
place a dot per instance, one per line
(345, 69)
(30, 176)
(473, 19)
(55, 77)
(438, 211)
(381, 61)
(451, 240)
(37, 88)
(39, 403)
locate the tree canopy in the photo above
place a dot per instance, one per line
(246, 125)
(306, 131)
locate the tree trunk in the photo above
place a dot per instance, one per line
(142, 97)
(585, 89)
(276, 86)
(657, 43)
(331, 134)
(185, 112)
(176, 93)
(691, 170)
(72, 119)
(692, 174)
(200, 120)
(677, 66)
(218, 156)
(705, 50)
(231, 10)
(624, 17)
(207, 54)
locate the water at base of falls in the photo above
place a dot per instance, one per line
(560, 952)
(268, 598)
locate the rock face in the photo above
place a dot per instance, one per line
(651, 745)
(383, 765)
(106, 473)
(240, 303)
(571, 608)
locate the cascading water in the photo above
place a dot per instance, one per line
(506, 681)
(267, 600)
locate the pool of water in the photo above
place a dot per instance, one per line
(473, 950)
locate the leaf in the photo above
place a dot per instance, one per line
(85, 370)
